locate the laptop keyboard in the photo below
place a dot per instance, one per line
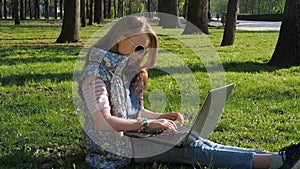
(180, 129)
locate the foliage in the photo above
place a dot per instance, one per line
(250, 6)
(40, 128)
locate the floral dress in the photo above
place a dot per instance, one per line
(109, 149)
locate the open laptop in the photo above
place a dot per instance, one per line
(204, 123)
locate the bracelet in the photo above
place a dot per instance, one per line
(144, 124)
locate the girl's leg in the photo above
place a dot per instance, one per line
(208, 154)
(230, 148)
(220, 156)
(261, 160)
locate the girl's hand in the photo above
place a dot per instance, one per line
(163, 124)
(173, 116)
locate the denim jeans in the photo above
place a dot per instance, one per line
(207, 153)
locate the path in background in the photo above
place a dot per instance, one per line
(251, 25)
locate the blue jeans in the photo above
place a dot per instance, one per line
(207, 153)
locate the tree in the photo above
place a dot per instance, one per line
(149, 5)
(46, 9)
(129, 7)
(107, 9)
(5, 9)
(30, 9)
(22, 16)
(87, 10)
(197, 16)
(25, 8)
(169, 7)
(61, 9)
(287, 51)
(114, 8)
(82, 13)
(55, 9)
(120, 8)
(37, 9)
(0, 9)
(91, 14)
(70, 26)
(99, 11)
(16, 12)
(230, 23)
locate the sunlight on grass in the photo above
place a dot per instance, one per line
(40, 126)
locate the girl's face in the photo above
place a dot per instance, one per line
(130, 45)
(136, 48)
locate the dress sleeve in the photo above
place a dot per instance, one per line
(95, 95)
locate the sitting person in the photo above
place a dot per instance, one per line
(112, 86)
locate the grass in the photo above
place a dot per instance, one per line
(40, 128)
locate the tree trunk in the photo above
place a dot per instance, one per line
(115, 8)
(287, 51)
(25, 8)
(107, 9)
(87, 9)
(169, 14)
(46, 9)
(185, 6)
(91, 18)
(61, 9)
(102, 11)
(148, 5)
(197, 16)
(230, 23)
(120, 8)
(37, 9)
(208, 12)
(1, 11)
(99, 12)
(22, 9)
(129, 7)
(5, 9)
(154, 6)
(11, 10)
(82, 13)
(16, 12)
(30, 9)
(55, 9)
(70, 26)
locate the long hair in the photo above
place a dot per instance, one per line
(124, 28)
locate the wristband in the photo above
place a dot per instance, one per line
(144, 124)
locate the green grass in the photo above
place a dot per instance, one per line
(40, 128)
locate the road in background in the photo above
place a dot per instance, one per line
(251, 25)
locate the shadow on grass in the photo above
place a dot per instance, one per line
(23, 159)
(22, 38)
(34, 54)
(250, 67)
(44, 24)
(20, 80)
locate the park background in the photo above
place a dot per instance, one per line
(40, 128)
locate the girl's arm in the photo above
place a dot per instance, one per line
(96, 98)
(170, 116)
(106, 122)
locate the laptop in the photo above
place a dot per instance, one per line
(204, 123)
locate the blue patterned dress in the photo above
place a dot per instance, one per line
(109, 150)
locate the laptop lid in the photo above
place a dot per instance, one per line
(210, 112)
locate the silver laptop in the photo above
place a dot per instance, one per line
(204, 123)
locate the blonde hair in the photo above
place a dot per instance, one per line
(124, 28)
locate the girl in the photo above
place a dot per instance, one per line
(112, 86)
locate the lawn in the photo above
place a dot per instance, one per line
(40, 127)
